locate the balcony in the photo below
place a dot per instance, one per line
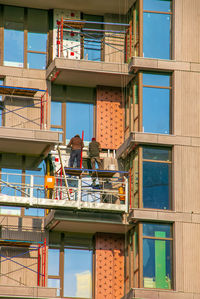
(89, 53)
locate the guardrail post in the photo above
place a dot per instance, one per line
(79, 194)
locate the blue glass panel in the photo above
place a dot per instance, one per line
(77, 273)
(157, 5)
(156, 110)
(151, 262)
(36, 61)
(156, 179)
(13, 44)
(162, 80)
(13, 177)
(154, 153)
(37, 41)
(38, 191)
(56, 109)
(53, 261)
(79, 118)
(149, 229)
(92, 50)
(156, 35)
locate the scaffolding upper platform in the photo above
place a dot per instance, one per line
(19, 91)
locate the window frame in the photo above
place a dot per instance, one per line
(140, 247)
(25, 34)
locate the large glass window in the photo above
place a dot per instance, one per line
(156, 178)
(37, 38)
(79, 118)
(37, 177)
(77, 273)
(53, 269)
(13, 36)
(157, 28)
(157, 255)
(156, 103)
(16, 50)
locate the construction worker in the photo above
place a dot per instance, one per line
(94, 150)
(76, 144)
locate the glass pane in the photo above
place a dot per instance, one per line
(56, 109)
(153, 153)
(36, 61)
(157, 260)
(37, 41)
(13, 177)
(156, 107)
(156, 182)
(92, 50)
(150, 229)
(37, 20)
(162, 80)
(38, 190)
(53, 261)
(79, 118)
(13, 44)
(157, 5)
(78, 273)
(156, 35)
(54, 283)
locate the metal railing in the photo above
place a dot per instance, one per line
(83, 192)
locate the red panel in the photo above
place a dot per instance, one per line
(110, 117)
(109, 266)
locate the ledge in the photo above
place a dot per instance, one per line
(161, 294)
(12, 291)
(163, 215)
(140, 63)
(88, 73)
(137, 138)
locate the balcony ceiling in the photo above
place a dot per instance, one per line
(89, 6)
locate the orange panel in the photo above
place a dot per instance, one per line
(110, 117)
(109, 266)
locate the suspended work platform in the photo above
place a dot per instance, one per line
(79, 189)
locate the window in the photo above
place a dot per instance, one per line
(53, 269)
(38, 190)
(14, 36)
(17, 52)
(93, 40)
(37, 38)
(156, 178)
(79, 117)
(157, 255)
(72, 110)
(157, 17)
(10, 185)
(77, 273)
(70, 265)
(156, 103)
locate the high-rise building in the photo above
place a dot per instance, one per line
(127, 73)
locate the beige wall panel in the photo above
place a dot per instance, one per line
(114, 43)
(187, 178)
(186, 103)
(187, 33)
(191, 253)
(12, 271)
(22, 116)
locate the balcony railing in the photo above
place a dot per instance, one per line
(79, 39)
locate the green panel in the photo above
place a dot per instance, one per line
(160, 261)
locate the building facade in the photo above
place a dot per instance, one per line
(128, 73)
